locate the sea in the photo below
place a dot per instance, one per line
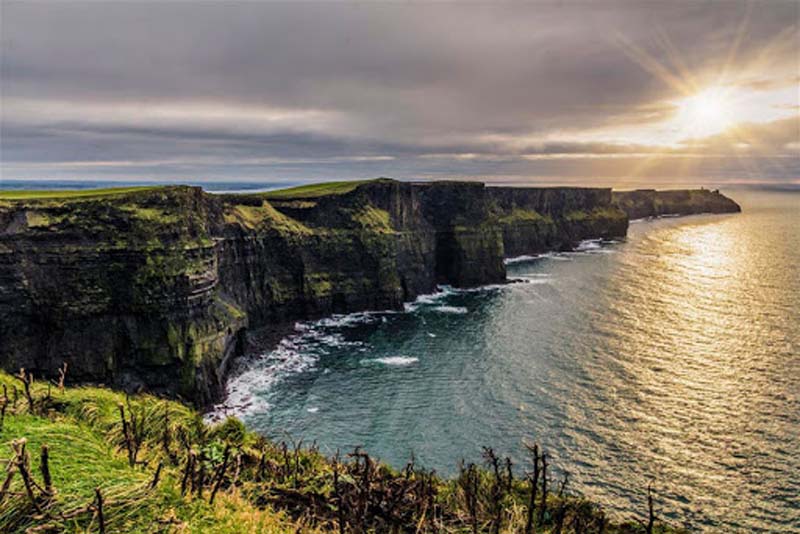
(670, 358)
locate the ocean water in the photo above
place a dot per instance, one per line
(672, 357)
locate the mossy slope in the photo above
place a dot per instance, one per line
(261, 487)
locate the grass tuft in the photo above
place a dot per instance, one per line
(154, 466)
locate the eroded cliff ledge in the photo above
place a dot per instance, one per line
(643, 203)
(155, 287)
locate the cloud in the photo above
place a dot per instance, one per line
(242, 90)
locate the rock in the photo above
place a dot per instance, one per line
(156, 288)
(643, 203)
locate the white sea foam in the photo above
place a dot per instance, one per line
(313, 409)
(451, 309)
(245, 390)
(589, 244)
(536, 279)
(248, 389)
(428, 299)
(398, 361)
(297, 353)
(350, 319)
(521, 259)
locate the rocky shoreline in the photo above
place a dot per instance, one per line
(157, 288)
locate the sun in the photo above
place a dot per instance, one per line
(707, 112)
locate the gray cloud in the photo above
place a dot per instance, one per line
(274, 90)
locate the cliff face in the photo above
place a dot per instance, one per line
(644, 203)
(539, 219)
(155, 288)
(123, 288)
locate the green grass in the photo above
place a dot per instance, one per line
(33, 194)
(519, 215)
(263, 217)
(269, 488)
(315, 190)
(81, 428)
(597, 213)
(372, 218)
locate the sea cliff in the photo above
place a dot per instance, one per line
(155, 288)
(643, 203)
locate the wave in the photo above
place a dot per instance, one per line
(536, 279)
(429, 298)
(247, 389)
(521, 259)
(244, 392)
(478, 289)
(350, 319)
(589, 244)
(397, 361)
(451, 309)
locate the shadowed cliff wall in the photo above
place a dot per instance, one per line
(644, 203)
(156, 288)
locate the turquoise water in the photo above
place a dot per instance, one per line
(672, 357)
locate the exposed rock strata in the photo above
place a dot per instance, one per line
(156, 288)
(644, 203)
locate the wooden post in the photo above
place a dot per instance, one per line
(7, 482)
(62, 375)
(188, 472)
(534, 481)
(27, 380)
(99, 505)
(44, 465)
(126, 433)
(543, 507)
(22, 465)
(157, 475)
(337, 493)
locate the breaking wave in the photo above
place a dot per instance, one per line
(398, 361)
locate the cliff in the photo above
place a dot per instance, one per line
(535, 220)
(155, 287)
(123, 287)
(644, 203)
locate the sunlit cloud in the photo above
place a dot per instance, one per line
(602, 91)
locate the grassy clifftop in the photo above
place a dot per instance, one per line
(65, 194)
(91, 460)
(315, 190)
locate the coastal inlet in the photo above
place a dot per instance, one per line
(670, 357)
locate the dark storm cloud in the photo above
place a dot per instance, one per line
(355, 87)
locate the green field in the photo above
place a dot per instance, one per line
(34, 194)
(315, 190)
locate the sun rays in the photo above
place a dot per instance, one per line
(714, 110)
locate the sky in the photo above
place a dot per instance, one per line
(598, 93)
